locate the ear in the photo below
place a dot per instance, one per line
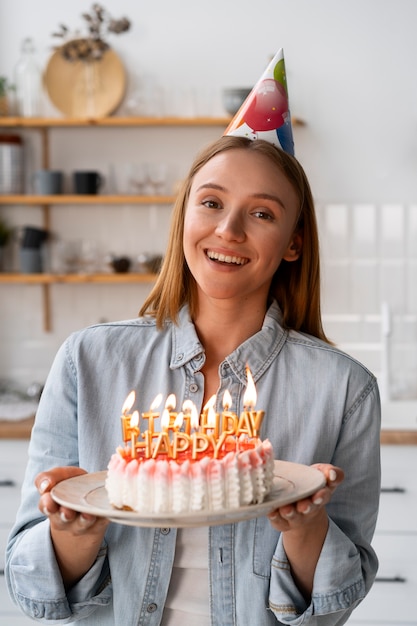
(293, 251)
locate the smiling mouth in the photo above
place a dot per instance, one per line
(227, 259)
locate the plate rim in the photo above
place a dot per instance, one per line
(95, 480)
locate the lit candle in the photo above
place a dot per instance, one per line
(194, 419)
(126, 416)
(190, 416)
(134, 432)
(211, 418)
(250, 419)
(168, 416)
(229, 419)
(151, 416)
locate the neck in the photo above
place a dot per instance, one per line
(222, 326)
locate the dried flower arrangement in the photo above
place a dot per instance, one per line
(93, 46)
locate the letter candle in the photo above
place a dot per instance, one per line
(134, 432)
(250, 419)
(229, 419)
(211, 421)
(126, 416)
(189, 416)
(151, 416)
(168, 416)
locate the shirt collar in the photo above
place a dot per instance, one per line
(257, 351)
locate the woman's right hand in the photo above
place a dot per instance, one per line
(77, 537)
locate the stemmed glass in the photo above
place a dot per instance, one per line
(157, 175)
(138, 178)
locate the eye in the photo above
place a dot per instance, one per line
(211, 204)
(263, 215)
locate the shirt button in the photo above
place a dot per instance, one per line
(165, 531)
(193, 387)
(151, 608)
(180, 356)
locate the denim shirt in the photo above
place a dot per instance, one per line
(320, 406)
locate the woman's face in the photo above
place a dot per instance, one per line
(239, 225)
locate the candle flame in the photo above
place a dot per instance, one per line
(211, 417)
(187, 406)
(165, 419)
(210, 403)
(171, 402)
(155, 404)
(179, 420)
(128, 403)
(249, 397)
(227, 400)
(134, 420)
(195, 418)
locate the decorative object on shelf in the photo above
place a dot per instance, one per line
(31, 250)
(11, 164)
(48, 182)
(28, 79)
(87, 183)
(5, 233)
(4, 102)
(120, 264)
(234, 97)
(85, 77)
(149, 263)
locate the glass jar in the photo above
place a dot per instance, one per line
(28, 82)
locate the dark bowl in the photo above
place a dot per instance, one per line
(234, 97)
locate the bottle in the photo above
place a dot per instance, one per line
(28, 81)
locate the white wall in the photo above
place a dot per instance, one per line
(351, 76)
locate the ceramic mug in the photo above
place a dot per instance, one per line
(87, 183)
(31, 261)
(48, 182)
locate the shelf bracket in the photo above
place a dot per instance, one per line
(46, 297)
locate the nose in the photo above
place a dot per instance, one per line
(231, 226)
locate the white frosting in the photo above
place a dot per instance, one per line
(164, 486)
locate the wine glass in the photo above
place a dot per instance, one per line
(157, 174)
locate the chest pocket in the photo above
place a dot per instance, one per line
(264, 544)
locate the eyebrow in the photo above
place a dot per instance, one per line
(260, 196)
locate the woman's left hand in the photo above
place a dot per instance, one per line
(306, 511)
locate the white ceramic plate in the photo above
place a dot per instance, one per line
(87, 494)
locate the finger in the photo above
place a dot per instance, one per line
(334, 475)
(45, 481)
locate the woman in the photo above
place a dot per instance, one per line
(240, 284)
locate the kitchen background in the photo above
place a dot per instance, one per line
(351, 75)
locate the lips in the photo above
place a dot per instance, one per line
(226, 258)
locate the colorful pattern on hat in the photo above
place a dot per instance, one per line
(265, 113)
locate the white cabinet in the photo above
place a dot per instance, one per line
(391, 601)
(13, 457)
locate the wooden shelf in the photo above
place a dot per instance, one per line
(52, 279)
(81, 199)
(47, 122)
(63, 122)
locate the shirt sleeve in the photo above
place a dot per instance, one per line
(32, 573)
(347, 564)
(36, 584)
(336, 589)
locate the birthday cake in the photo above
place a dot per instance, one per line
(214, 463)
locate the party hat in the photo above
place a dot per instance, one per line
(265, 113)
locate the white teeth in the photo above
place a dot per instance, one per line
(216, 256)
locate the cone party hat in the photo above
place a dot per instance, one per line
(265, 113)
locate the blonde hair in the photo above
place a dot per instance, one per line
(295, 285)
